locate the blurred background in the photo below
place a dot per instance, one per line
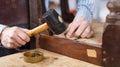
(100, 12)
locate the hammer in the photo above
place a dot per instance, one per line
(53, 21)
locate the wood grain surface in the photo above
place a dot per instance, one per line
(96, 39)
(51, 60)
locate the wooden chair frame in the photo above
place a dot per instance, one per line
(108, 55)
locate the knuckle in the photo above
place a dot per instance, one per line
(15, 29)
(85, 22)
(76, 24)
(73, 25)
(87, 32)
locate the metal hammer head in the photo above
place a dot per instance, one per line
(54, 21)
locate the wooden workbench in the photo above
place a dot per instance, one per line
(57, 60)
(51, 60)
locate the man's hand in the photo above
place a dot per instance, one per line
(79, 28)
(14, 37)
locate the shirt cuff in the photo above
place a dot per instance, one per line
(2, 27)
(84, 12)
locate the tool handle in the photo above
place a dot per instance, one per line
(38, 29)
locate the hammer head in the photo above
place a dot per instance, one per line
(54, 21)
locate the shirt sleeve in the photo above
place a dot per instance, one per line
(2, 27)
(85, 9)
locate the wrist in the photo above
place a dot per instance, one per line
(85, 13)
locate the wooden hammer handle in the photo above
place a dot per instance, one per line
(38, 29)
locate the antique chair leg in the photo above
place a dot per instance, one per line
(111, 36)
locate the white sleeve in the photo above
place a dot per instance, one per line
(2, 27)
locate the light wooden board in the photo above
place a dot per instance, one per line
(96, 39)
(51, 60)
